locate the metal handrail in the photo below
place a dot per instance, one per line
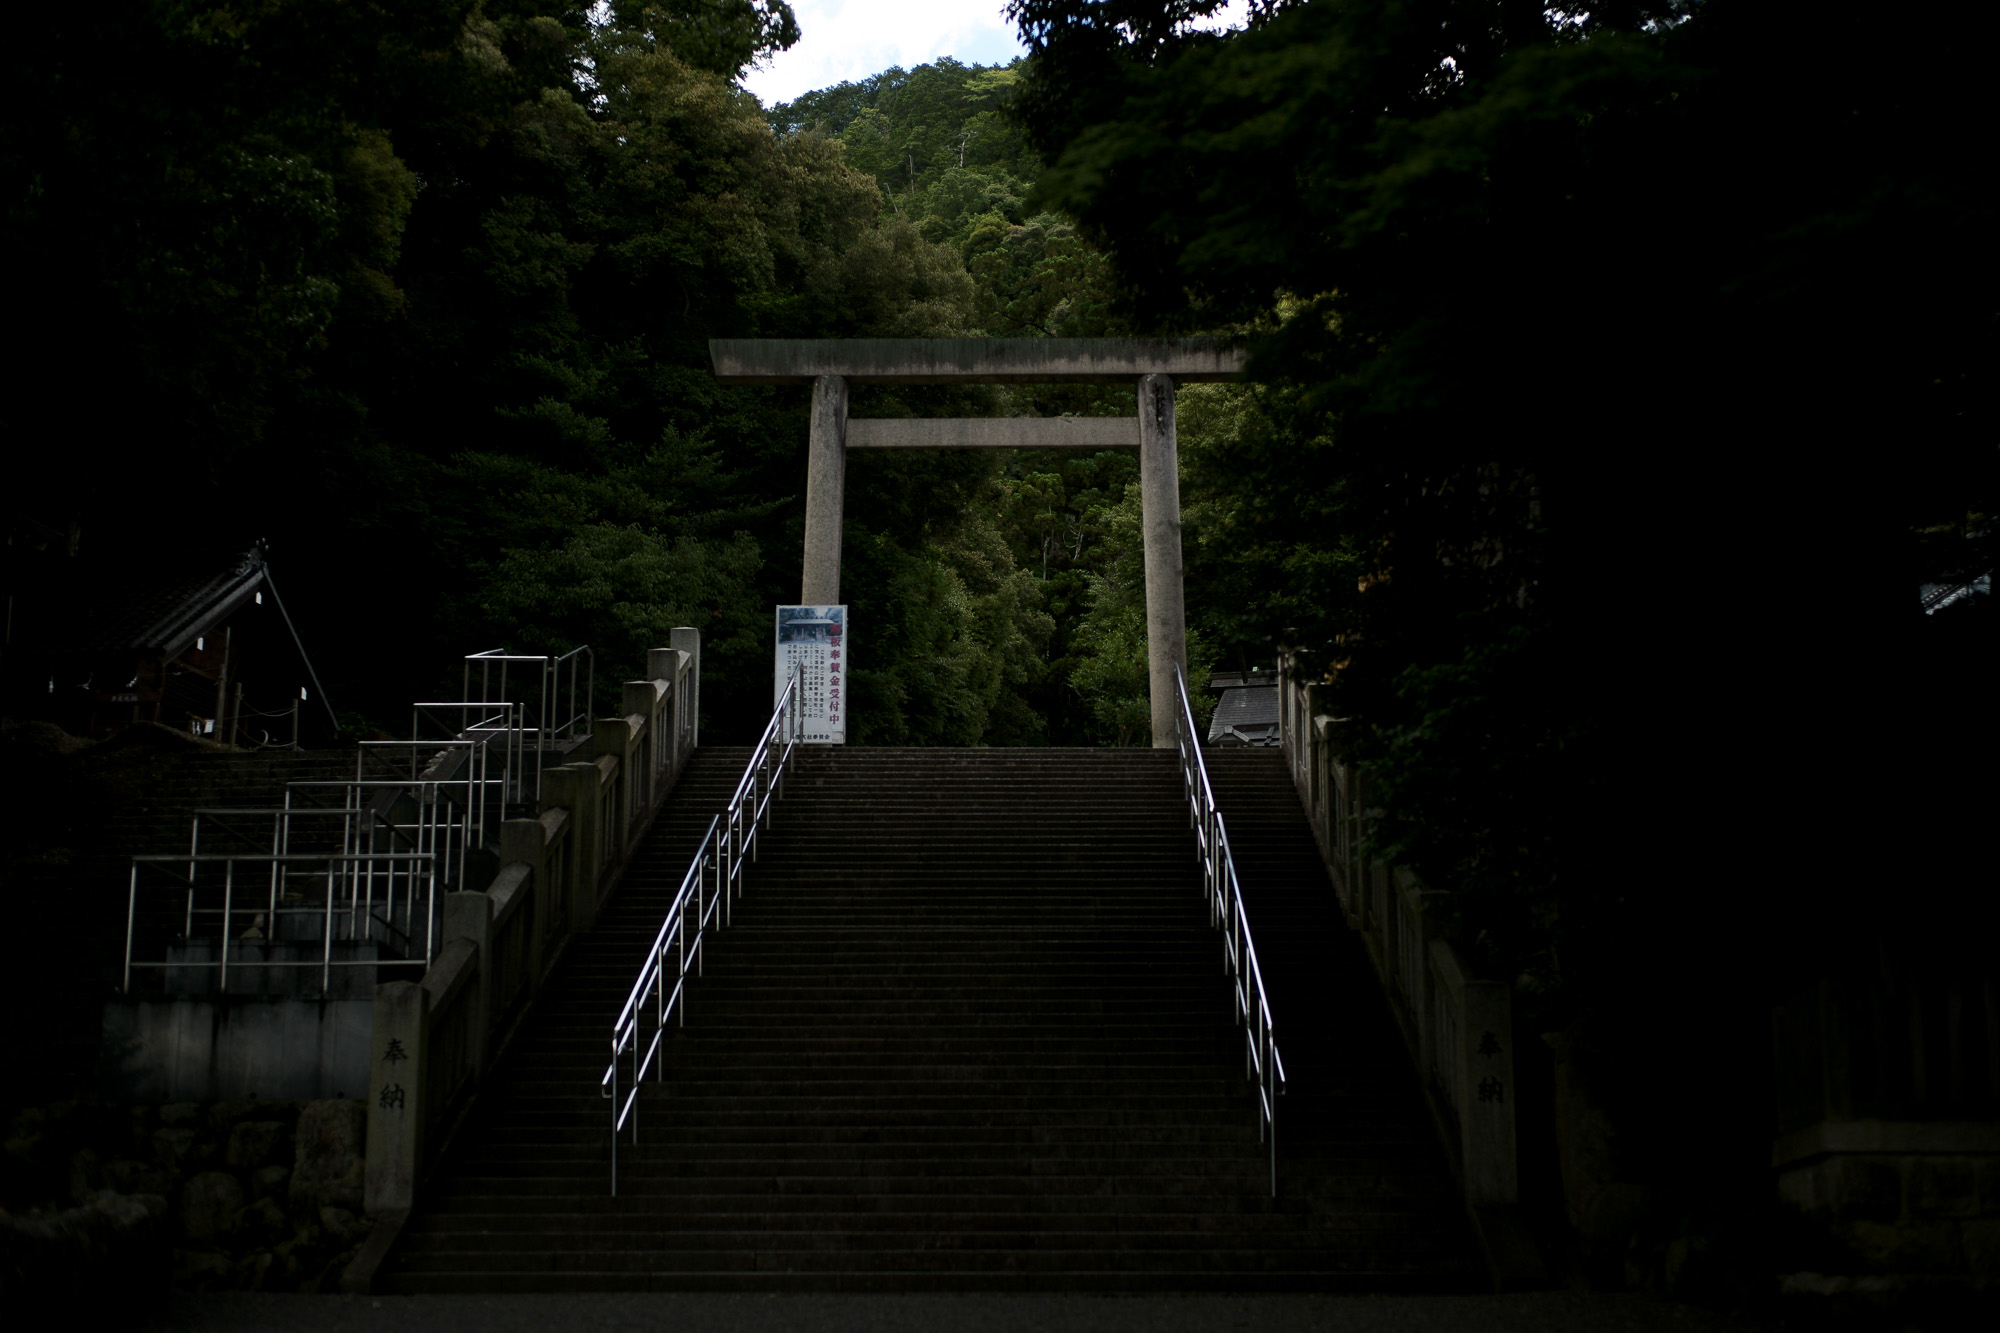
(477, 719)
(731, 835)
(1225, 910)
(459, 786)
(444, 821)
(417, 871)
(554, 723)
(458, 771)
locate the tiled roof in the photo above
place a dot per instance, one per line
(161, 613)
(1245, 709)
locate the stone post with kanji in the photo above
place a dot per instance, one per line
(1487, 1119)
(395, 1096)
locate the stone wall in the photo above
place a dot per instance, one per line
(1887, 1083)
(205, 1048)
(253, 1195)
(1908, 1203)
(1458, 1026)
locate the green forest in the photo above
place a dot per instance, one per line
(1614, 373)
(421, 294)
(1615, 376)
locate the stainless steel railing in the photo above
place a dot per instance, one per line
(503, 727)
(713, 879)
(259, 919)
(1225, 910)
(346, 861)
(557, 692)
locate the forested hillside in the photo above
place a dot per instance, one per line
(421, 294)
(950, 160)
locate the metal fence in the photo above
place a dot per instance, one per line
(500, 727)
(360, 860)
(553, 692)
(714, 878)
(255, 911)
(1262, 1063)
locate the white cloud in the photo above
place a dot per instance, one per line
(845, 40)
(848, 40)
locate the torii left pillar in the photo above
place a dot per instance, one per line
(1160, 522)
(826, 491)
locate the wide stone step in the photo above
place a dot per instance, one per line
(508, 1138)
(1026, 1278)
(938, 1198)
(1057, 1253)
(639, 1223)
(683, 1153)
(766, 1051)
(586, 1106)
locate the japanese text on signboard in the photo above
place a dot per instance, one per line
(813, 641)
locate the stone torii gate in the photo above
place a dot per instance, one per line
(1154, 364)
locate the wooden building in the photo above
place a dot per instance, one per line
(210, 650)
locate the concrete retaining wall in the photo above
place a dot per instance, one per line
(236, 1048)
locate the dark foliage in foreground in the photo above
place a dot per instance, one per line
(421, 293)
(1626, 374)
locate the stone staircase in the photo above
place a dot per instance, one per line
(969, 1031)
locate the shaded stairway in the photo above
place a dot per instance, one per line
(969, 1031)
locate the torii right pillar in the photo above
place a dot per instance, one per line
(1160, 501)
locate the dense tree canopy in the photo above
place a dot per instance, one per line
(423, 294)
(1578, 328)
(721, 36)
(947, 156)
(1624, 372)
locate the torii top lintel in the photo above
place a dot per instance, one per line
(974, 360)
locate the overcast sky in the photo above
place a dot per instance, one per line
(846, 40)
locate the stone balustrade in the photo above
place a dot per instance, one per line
(1458, 1026)
(434, 1039)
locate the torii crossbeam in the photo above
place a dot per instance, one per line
(1154, 364)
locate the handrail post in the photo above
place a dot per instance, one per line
(228, 901)
(131, 924)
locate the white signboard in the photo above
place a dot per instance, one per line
(813, 640)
